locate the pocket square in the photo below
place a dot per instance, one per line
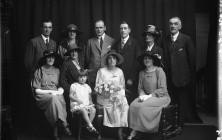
(109, 46)
(180, 49)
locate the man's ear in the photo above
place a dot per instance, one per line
(180, 26)
(104, 28)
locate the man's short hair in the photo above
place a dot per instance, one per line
(100, 20)
(124, 22)
(45, 20)
(177, 19)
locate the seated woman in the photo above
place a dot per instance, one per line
(145, 111)
(48, 94)
(110, 88)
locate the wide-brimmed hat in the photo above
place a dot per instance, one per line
(73, 27)
(151, 29)
(155, 57)
(48, 53)
(119, 57)
(72, 48)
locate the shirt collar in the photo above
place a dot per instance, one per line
(125, 39)
(149, 48)
(175, 36)
(103, 36)
(44, 38)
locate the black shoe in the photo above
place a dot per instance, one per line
(64, 127)
(67, 131)
(138, 136)
(92, 130)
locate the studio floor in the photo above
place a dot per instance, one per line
(191, 131)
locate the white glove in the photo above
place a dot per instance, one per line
(144, 97)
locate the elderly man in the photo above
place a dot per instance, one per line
(130, 50)
(38, 45)
(179, 57)
(96, 48)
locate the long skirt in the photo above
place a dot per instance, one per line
(54, 107)
(145, 116)
(115, 115)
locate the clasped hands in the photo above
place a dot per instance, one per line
(144, 97)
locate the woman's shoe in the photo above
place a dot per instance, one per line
(92, 130)
(67, 131)
(65, 127)
(132, 135)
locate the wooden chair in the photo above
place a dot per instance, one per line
(99, 120)
(169, 122)
(80, 123)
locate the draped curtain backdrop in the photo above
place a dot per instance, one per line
(28, 14)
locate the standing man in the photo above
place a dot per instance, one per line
(38, 45)
(34, 51)
(180, 64)
(96, 48)
(130, 50)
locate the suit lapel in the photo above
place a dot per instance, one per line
(42, 43)
(127, 44)
(96, 43)
(154, 49)
(106, 46)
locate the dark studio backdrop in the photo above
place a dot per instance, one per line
(23, 21)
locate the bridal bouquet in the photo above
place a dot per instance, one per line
(107, 90)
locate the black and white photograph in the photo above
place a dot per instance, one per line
(111, 70)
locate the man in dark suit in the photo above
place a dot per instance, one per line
(96, 48)
(130, 50)
(38, 45)
(179, 57)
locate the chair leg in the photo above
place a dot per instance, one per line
(99, 124)
(164, 136)
(79, 128)
(164, 124)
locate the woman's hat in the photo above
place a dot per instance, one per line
(72, 48)
(83, 72)
(155, 57)
(73, 27)
(48, 53)
(119, 57)
(151, 29)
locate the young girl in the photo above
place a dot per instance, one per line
(80, 100)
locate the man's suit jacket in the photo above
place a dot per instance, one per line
(94, 54)
(130, 52)
(179, 57)
(34, 52)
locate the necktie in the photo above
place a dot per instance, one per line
(47, 42)
(122, 44)
(101, 43)
(172, 39)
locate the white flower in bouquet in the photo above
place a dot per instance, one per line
(111, 91)
(106, 86)
(106, 89)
